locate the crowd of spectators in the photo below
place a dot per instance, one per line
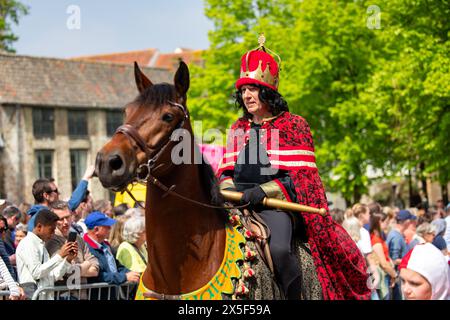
(406, 250)
(62, 243)
(55, 242)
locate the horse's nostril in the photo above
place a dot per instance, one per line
(115, 162)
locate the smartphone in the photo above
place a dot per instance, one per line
(72, 237)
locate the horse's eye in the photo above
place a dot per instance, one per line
(168, 117)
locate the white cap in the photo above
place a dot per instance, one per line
(429, 262)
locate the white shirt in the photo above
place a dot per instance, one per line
(35, 265)
(364, 244)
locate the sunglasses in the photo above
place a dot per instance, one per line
(56, 191)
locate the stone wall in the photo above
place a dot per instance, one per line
(18, 157)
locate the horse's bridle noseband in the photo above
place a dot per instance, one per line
(133, 135)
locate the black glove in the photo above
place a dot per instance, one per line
(254, 195)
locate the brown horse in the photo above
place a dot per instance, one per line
(186, 241)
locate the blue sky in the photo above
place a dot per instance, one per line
(111, 26)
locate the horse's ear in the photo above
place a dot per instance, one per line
(181, 79)
(142, 82)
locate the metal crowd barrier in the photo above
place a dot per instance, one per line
(92, 291)
(4, 295)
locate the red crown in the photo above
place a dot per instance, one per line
(259, 67)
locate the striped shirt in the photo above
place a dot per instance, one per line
(5, 277)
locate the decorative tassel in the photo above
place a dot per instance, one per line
(234, 219)
(249, 254)
(249, 235)
(241, 289)
(249, 273)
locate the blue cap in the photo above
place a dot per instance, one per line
(404, 215)
(97, 219)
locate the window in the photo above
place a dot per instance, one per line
(114, 119)
(78, 160)
(43, 123)
(77, 123)
(44, 164)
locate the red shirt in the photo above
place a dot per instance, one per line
(377, 239)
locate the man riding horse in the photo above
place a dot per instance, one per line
(270, 153)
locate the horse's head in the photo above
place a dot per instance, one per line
(150, 120)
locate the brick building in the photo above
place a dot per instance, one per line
(55, 114)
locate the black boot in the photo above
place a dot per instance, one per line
(294, 291)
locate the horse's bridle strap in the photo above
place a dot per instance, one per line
(132, 134)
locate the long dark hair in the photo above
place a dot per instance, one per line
(268, 96)
(375, 223)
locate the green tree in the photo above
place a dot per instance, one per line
(10, 11)
(375, 98)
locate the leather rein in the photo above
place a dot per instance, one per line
(133, 135)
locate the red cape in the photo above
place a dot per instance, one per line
(340, 266)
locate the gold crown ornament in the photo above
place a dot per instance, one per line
(258, 66)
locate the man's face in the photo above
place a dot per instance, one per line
(52, 193)
(45, 232)
(102, 232)
(414, 285)
(65, 221)
(250, 95)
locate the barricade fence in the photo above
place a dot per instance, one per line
(4, 294)
(91, 291)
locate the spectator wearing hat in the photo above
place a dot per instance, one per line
(425, 274)
(110, 270)
(397, 245)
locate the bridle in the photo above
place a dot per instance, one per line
(133, 135)
(151, 159)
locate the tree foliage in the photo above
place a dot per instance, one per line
(376, 99)
(10, 12)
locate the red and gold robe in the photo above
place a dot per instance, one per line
(340, 265)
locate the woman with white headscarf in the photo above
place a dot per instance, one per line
(425, 274)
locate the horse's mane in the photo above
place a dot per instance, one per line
(157, 94)
(210, 182)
